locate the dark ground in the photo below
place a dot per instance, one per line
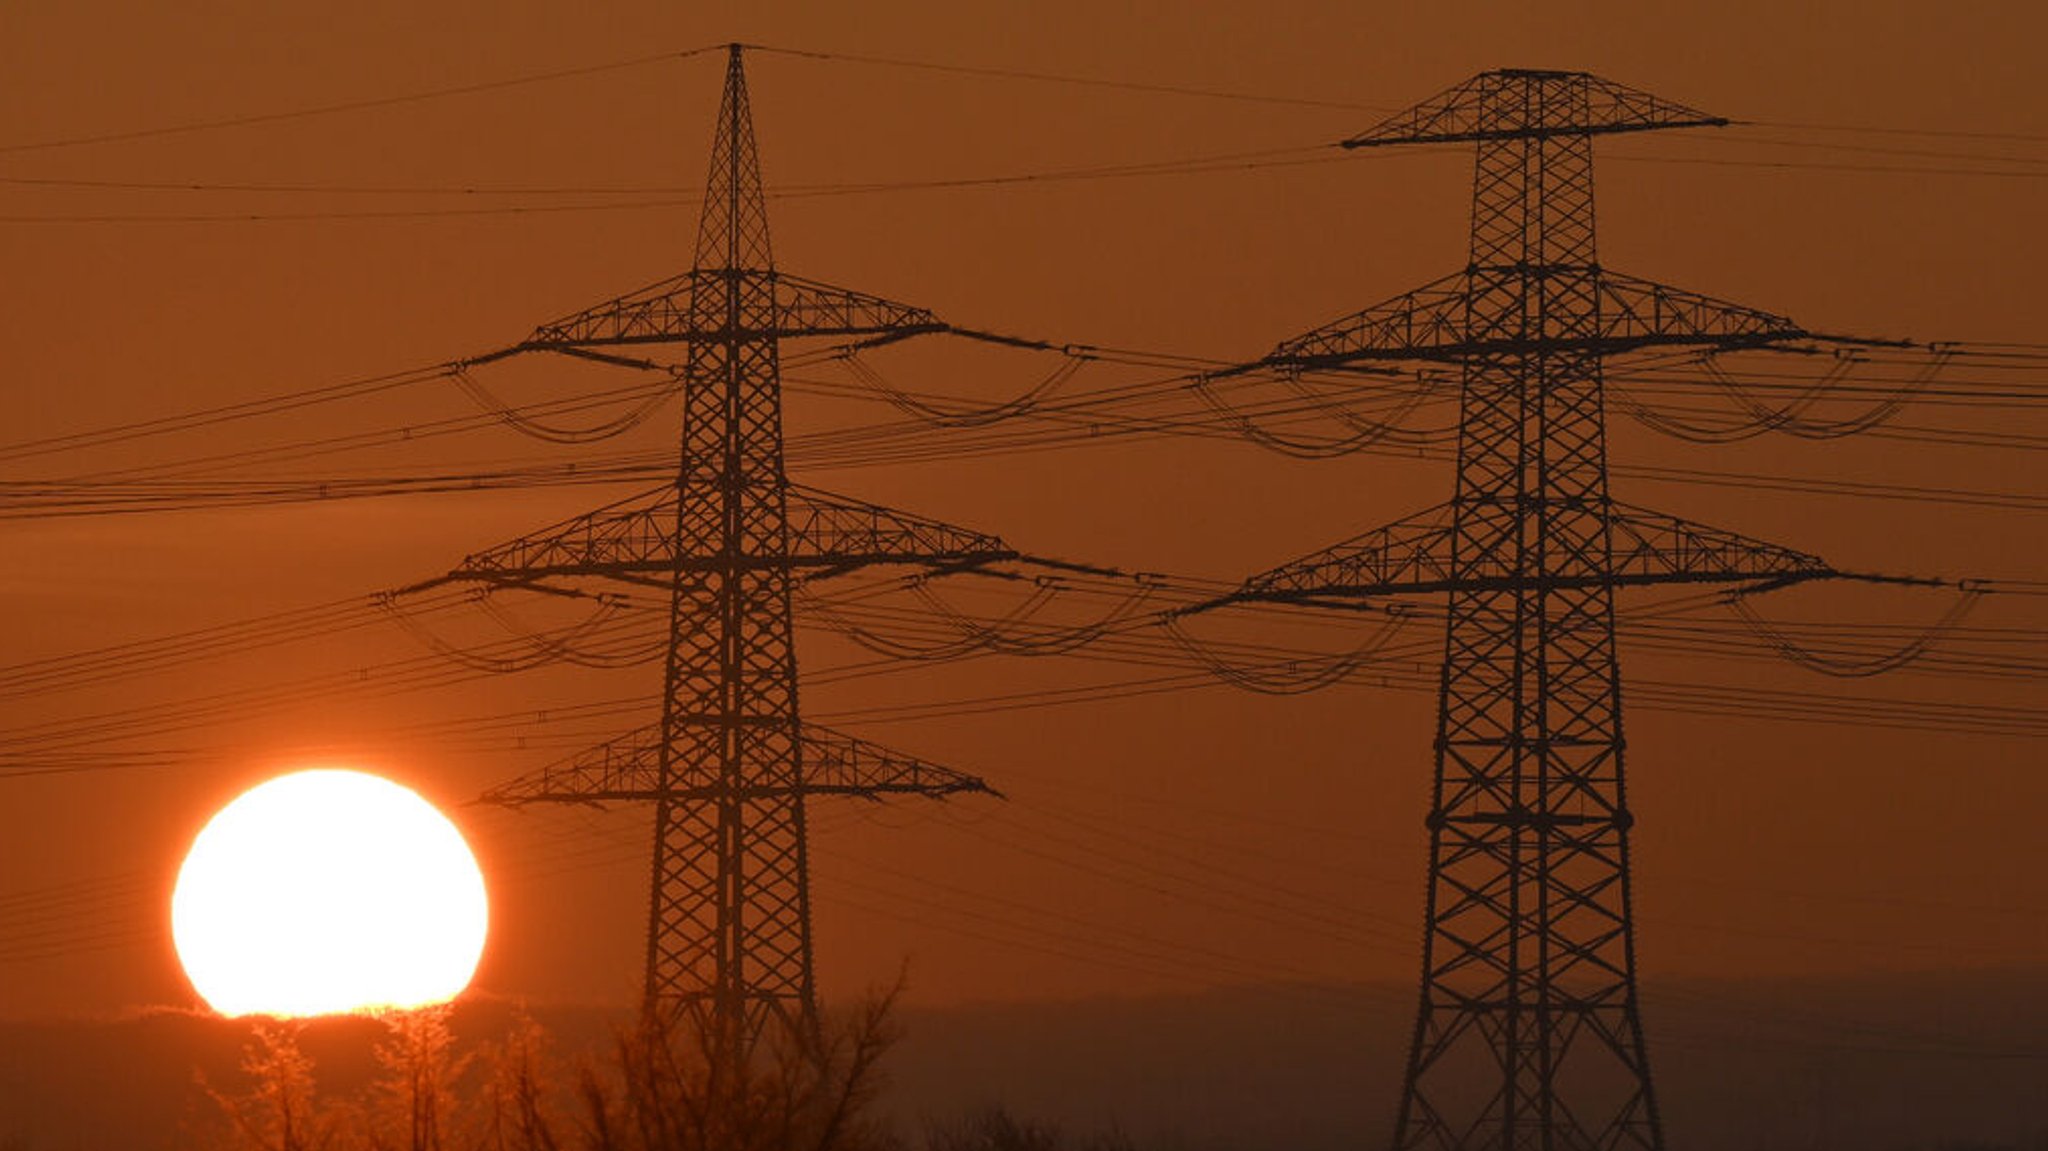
(1898, 1062)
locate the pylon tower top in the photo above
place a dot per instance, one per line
(1529, 104)
(732, 227)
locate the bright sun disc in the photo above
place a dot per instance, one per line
(328, 891)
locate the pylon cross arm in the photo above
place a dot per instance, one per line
(1496, 106)
(1635, 312)
(628, 769)
(634, 540)
(838, 764)
(692, 308)
(1434, 322)
(836, 532)
(1427, 553)
(1413, 553)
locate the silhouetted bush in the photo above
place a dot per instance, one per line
(280, 1110)
(993, 1128)
(685, 1088)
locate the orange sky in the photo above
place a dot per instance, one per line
(1283, 834)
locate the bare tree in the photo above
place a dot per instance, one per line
(413, 1099)
(516, 1114)
(683, 1089)
(279, 1111)
(678, 1089)
(993, 1128)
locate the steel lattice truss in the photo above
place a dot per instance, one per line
(1434, 322)
(1419, 554)
(629, 769)
(1528, 1033)
(664, 313)
(730, 766)
(636, 540)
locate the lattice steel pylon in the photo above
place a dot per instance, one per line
(730, 765)
(1528, 1033)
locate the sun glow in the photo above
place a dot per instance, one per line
(328, 891)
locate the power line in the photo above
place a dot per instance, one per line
(1828, 166)
(249, 120)
(1211, 163)
(1881, 130)
(1068, 79)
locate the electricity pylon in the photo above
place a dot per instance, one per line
(1528, 1033)
(730, 766)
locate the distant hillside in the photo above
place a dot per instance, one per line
(1879, 1064)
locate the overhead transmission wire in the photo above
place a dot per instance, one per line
(1897, 130)
(673, 196)
(73, 741)
(935, 66)
(2027, 173)
(431, 669)
(1084, 941)
(1271, 904)
(126, 488)
(1119, 832)
(1171, 655)
(1190, 962)
(664, 198)
(1207, 163)
(93, 491)
(928, 415)
(906, 443)
(1891, 160)
(1001, 73)
(948, 622)
(1100, 430)
(1204, 164)
(1225, 881)
(1188, 165)
(551, 858)
(1314, 916)
(357, 105)
(1260, 160)
(1163, 957)
(1086, 948)
(900, 442)
(181, 649)
(1074, 938)
(1417, 673)
(1194, 964)
(206, 417)
(136, 879)
(493, 412)
(1112, 945)
(1125, 825)
(1745, 136)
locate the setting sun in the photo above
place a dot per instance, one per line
(328, 891)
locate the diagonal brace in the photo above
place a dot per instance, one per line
(662, 313)
(628, 768)
(634, 540)
(1434, 322)
(1418, 555)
